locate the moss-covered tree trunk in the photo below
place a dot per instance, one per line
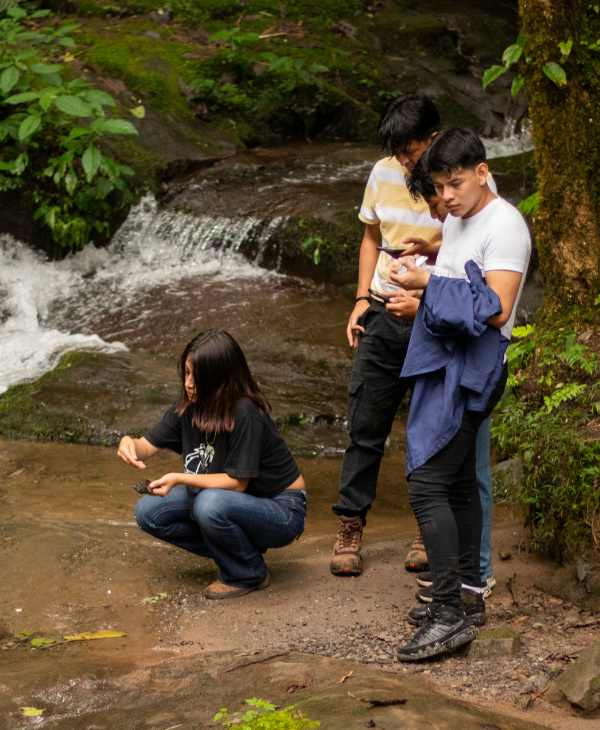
(566, 129)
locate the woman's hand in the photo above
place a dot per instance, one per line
(164, 485)
(354, 330)
(413, 278)
(128, 453)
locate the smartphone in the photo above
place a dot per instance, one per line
(379, 297)
(395, 253)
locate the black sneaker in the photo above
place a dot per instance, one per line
(473, 605)
(425, 595)
(425, 579)
(446, 630)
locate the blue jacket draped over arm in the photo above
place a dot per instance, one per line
(457, 360)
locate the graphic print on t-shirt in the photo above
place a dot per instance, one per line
(198, 460)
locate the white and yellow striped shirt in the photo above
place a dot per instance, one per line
(388, 203)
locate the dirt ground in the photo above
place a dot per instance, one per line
(73, 560)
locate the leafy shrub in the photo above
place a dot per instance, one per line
(545, 421)
(266, 717)
(48, 152)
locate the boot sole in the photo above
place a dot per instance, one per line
(441, 647)
(345, 570)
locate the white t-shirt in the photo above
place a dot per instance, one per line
(496, 239)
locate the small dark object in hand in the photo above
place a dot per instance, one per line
(141, 487)
(505, 555)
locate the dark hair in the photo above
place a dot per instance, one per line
(419, 184)
(221, 376)
(407, 119)
(454, 149)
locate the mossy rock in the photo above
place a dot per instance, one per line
(501, 632)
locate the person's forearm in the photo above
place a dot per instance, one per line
(143, 449)
(214, 481)
(368, 259)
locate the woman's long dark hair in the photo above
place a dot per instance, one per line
(221, 376)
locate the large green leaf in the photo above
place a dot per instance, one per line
(22, 98)
(516, 85)
(67, 42)
(29, 125)
(117, 126)
(53, 79)
(29, 35)
(492, 74)
(99, 97)
(16, 13)
(66, 29)
(91, 160)
(74, 105)
(512, 54)
(45, 68)
(103, 188)
(9, 78)
(555, 73)
(70, 181)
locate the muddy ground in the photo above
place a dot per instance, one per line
(73, 560)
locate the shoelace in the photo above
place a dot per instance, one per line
(418, 543)
(348, 536)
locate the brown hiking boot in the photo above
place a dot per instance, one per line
(417, 557)
(346, 558)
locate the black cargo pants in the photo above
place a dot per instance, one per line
(374, 394)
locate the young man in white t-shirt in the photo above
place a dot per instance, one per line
(443, 492)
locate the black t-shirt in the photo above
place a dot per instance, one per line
(253, 450)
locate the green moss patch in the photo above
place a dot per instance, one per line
(145, 65)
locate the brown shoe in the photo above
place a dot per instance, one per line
(218, 590)
(417, 557)
(346, 558)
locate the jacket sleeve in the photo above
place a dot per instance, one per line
(458, 306)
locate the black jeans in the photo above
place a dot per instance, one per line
(374, 394)
(445, 499)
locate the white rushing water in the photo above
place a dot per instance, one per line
(40, 299)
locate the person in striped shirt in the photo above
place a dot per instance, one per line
(407, 128)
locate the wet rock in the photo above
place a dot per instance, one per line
(499, 642)
(583, 569)
(580, 683)
(153, 34)
(343, 28)
(508, 473)
(141, 487)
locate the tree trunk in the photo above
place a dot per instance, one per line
(566, 131)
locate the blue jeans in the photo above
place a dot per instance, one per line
(484, 484)
(232, 528)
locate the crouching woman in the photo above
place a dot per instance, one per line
(241, 492)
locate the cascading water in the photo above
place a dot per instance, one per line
(47, 307)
